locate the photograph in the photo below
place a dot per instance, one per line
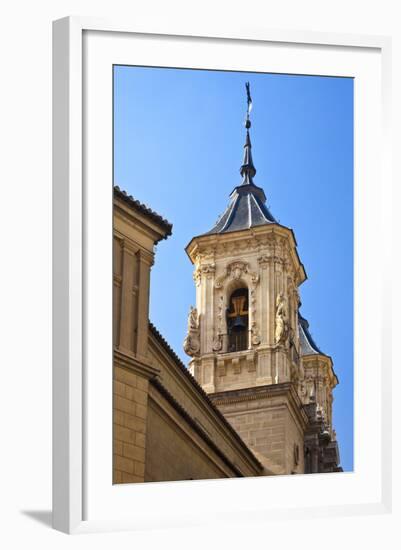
(203, 260)
(233, 281)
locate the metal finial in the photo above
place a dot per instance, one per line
(247, 169)
(249, 105)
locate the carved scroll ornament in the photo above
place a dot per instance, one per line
(235, 271)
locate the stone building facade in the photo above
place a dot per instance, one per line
(257, 398)
(165, 427)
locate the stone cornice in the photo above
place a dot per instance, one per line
(230, 397)
(136, 207)
(257, 239)
(139, 222)
(129, 361)
(250, 394)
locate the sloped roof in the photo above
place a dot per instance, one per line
(143, 209)
(246, 209)
(307, 343)
(166, 346)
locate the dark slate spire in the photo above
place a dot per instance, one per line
(307, 344)
(248, 169)
(247, 206)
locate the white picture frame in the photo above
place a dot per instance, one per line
(82, 50)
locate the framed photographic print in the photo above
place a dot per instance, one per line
(218, 316)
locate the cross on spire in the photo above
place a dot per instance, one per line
(247, 169)
(249, 104)
(247, 207)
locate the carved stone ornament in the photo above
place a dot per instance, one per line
(191, 345)
(218, 343)
(264, 260)
(281, 333)
(235, 271)
(193, 319)
(207, 269)
(255, 335)
(192, 339)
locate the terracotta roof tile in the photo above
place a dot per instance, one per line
(154, 216)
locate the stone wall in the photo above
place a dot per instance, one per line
(195, 405)
(164, 425)
(271, 422)
(130, 402)
(175, 449)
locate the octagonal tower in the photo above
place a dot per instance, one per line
(244, 333)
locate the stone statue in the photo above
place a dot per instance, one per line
(192, 339)
(281, 333)
(193, 319)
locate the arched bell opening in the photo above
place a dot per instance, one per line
(238, 320)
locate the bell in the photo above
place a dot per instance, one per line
(238, 323)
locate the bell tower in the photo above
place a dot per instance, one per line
(244, 336)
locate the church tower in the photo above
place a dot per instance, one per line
(250, 348)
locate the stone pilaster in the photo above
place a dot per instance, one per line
(145, 261)
(128, 319)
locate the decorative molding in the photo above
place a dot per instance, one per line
(255, 336)
(146, 256)
(220, 312)
(197, 276)
(218, 342)
(260, 392)
(204, 269)
(235, 271)
(129, 246)
(264, 260)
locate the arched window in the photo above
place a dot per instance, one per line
(237, 320)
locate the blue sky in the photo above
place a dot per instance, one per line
(178, 144)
